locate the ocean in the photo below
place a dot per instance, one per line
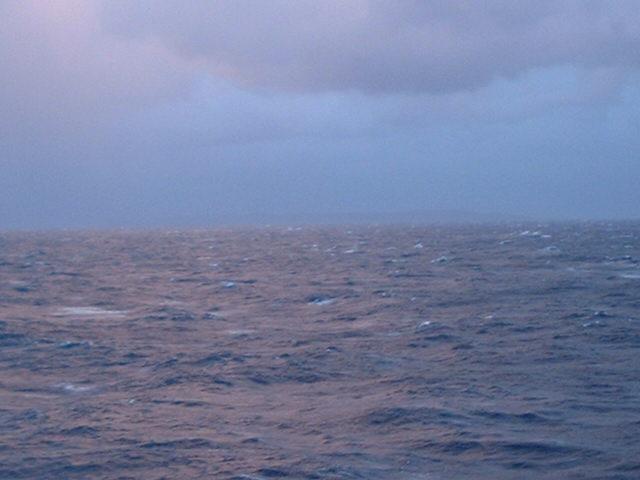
(479, 352)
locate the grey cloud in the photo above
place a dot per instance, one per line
(152, 113)
(60, 72)
(379, 46)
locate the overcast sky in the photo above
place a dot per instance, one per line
(188, 112)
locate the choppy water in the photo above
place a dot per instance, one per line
(506, 352)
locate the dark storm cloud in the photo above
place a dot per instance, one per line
(381, 46)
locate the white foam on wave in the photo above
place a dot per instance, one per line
(427, 326)
(240, 333)
(88, 312)
(71, 343)
(595, 323)
(631, 276)
(551, 250)
(528, 233)
(322, 301)
(72, 388)
(442, 259)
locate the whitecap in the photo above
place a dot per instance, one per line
(442, 259)
(528, 233)
(72, 344)
(240, 333)
(72, 388)
(631, 276)
(595, 323)
(322, 301)
(88, 312)
(426, 325)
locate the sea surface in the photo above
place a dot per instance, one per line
(465, 352)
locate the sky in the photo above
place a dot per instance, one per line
(140, 113)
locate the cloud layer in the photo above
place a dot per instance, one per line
(61, 72)
(411, 46)
(141, 112)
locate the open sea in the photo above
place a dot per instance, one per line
(464, 352)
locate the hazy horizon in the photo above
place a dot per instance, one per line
(337, 220)
(193, 114)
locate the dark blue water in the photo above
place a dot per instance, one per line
(489, 352)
